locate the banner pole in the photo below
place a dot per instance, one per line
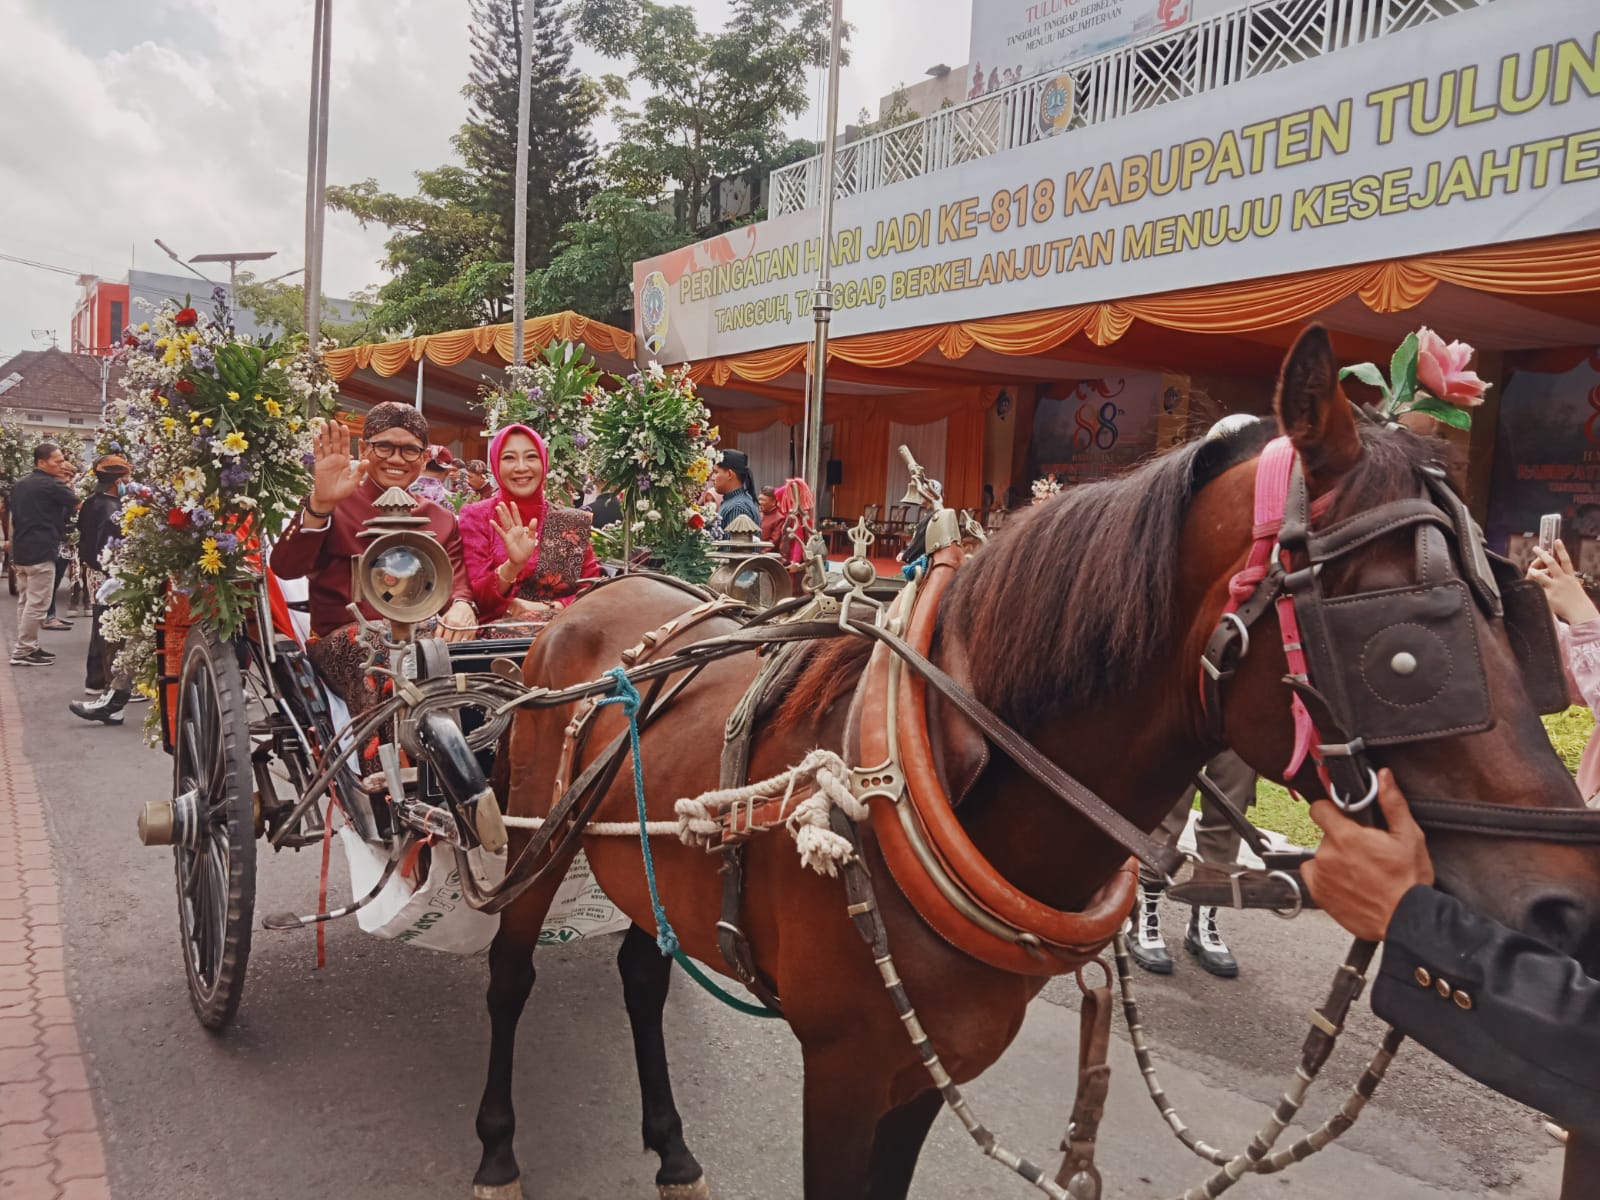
(822, 300)
(519, 269)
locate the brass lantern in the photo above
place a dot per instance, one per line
(403, 572)
(745, 569)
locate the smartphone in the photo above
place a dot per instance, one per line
(1549, 532)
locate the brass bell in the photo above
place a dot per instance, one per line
(913, 496)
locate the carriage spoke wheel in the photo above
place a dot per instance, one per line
(215, 850)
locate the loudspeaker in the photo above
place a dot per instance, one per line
(835, 472)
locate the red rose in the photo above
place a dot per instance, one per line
(186, 386)
(177, 518)
(696, 521)
(186, 317)
(694, 430)
(588, 397)
(129, 339)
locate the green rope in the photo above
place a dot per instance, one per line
(627, 696)
(693, 971)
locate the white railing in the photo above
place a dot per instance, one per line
(1210, 54)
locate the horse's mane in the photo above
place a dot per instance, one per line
(1074, 598)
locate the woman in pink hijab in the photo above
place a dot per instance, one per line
(525, 557)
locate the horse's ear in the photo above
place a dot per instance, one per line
(1313, 410)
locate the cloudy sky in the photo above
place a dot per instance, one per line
(186, 120)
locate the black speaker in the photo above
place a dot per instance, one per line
(835, 472)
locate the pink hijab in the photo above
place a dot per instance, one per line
(531, 507)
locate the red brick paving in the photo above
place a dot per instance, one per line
(50, 1143)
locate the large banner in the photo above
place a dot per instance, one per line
(1477, 128)
(1013, 40)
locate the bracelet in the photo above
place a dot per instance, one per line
(311, 512)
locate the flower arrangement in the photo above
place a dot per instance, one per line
(1426, 376)
(1044, 488)
(16, 449)
(654, 445)
(217, 433)
(555, 396)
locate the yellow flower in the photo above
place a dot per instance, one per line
(258, 396)
(206, 422)
(294, 426)
(169, 426)
(274, 409)
(131, 514)
(162, 401)
(235, 442)
(233, 395)
(144, 326)
(213, 502)
(211, 557)
(193, 416)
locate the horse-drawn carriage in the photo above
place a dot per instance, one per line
(995, 681)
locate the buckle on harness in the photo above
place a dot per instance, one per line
(884, 780)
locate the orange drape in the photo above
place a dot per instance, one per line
(458, 345)
(1547, 266)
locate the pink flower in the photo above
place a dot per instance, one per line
(1442, 370)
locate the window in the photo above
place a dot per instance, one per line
(116, 321)
(77, 421)
(35, 416)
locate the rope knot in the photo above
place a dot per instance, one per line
(623, 692)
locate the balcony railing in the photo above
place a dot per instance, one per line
(1203, 57)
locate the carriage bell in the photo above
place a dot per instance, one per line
(745, 570)
(944, 527)
(404, 572)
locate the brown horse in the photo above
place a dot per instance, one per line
(1082, 625)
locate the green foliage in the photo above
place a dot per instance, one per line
(451, 246)
(653, 446)
(16, 449)
(281, 307)
(562, 106)
(592, 268)
(898, 113)
(715, 102)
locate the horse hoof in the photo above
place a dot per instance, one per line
(498, 1191)
(698, 1190)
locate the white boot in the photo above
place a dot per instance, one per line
(1145, 944)
(1206, 944)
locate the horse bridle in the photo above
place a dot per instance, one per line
(1392, 666)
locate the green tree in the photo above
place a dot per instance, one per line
(561, 152)
(899, 112)
(442, 249)
(716, 102)
(282, 307)
(451, 244)
(592, 268)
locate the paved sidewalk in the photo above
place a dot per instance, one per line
(50, 1144)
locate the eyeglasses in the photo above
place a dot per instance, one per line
(404, 453)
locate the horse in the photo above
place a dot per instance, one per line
(1082, 625)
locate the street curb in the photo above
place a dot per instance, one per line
(50, 1141)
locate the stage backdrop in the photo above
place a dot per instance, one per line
(1547, 460)
(1482, 127)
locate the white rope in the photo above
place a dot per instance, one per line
(820, 848)
(699, 818)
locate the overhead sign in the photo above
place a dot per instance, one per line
(1013, 40)
(1477, 128)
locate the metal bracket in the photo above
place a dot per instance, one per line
(884, 780)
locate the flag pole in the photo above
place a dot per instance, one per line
(822, 300)
(519, 269)
(317, 174)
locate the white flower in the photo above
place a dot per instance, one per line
(642, 503)
(656, 371)
(652, 515)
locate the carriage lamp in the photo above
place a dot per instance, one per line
(746, 570)
(403, 572)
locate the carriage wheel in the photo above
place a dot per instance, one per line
(214, 815)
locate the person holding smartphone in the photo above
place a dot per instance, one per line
(1578, 629)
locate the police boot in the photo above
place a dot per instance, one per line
(1145, 945)
(1206, 944)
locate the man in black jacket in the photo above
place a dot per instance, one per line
(1511, 1012)
(41, 509)
(97, 524)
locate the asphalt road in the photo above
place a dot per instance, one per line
(361, 1080)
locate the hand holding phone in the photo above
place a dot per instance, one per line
(1549, 532)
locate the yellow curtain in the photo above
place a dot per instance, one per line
(1546, 266)
(457, 345)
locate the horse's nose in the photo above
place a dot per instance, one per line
(1562, 920)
